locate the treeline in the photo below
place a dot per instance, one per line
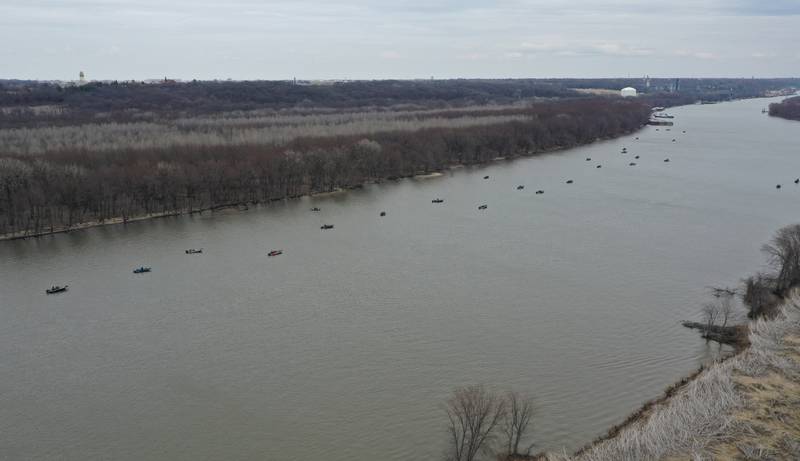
(30, 103)
(483, 424)
(241, 128)
(57, 190)
(788, 108)
(705, 89)
(123, 101)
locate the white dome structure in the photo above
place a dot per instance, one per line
(628, 92)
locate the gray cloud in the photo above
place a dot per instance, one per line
(124, 39)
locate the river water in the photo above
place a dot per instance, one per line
(345, 347)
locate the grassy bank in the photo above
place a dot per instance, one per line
(746, 407)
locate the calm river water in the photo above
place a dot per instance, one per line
(345, 347)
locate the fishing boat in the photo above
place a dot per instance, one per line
(142, 270)
(383, 213)
(194, 251)
(315, 209)
(326, 226)
(275, 253)
(520, 187)
(437, 200)
(539, 192)
(483, 207)
(569, 181)
(485, 177)
(624, 150)
(56, 289)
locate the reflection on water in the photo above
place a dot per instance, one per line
(345, 346)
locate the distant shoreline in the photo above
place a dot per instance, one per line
(421, 175)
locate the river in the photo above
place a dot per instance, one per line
(345, 347)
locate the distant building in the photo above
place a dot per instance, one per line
(628, 92)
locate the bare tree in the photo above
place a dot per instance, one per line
(759, 295)
(716, 315)
(519, 411)
(725, 308)
(710, 315)
(784, 257)
(473, 414)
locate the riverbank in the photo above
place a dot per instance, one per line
(338, 190)
(788, 109)
(744, 407)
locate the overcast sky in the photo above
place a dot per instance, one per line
(310, 39)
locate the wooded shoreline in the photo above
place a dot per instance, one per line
(236, 205)
(788, 109)
(74, 156)
(61, 177)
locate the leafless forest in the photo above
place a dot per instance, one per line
(99, 152)
(788, 108)
(55, 175)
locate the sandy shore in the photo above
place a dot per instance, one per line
(89, 224)
(336, 191)
(427, 176)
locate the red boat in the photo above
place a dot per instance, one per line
(275, 253)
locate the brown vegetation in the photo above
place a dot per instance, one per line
(744, 407)
(59, 177)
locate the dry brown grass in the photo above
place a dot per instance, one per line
(745, 408)
(597, 91)
(245, 128)
(769, 422)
